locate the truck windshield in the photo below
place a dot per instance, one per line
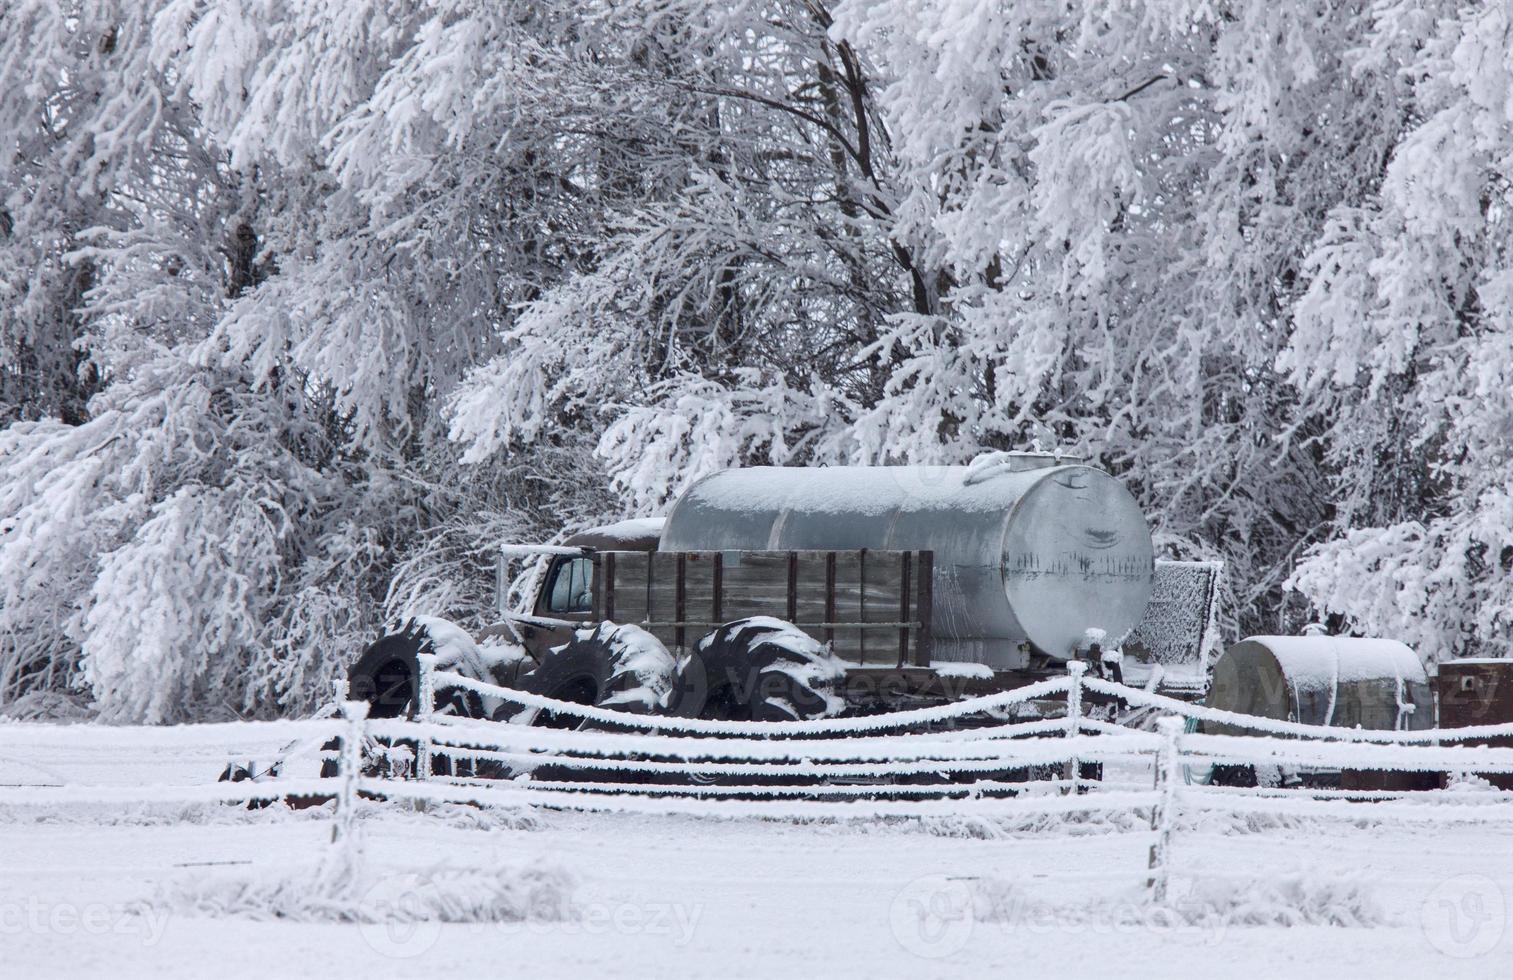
(572, 586)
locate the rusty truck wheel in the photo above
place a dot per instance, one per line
(759, 669)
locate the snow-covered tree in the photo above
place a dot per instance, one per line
(251, 472)
(728, 314)
(1404, 340)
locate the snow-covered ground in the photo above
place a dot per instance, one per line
(694, 897)
(175, 889)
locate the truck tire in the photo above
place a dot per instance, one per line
(622, 668)
(387, 675)
(1247, 776)
(760, 669)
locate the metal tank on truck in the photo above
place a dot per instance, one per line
(1035, 559)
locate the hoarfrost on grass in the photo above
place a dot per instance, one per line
(1203, 903)
(326, 893)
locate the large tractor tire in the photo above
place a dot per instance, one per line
(760, 669)
(621, 668)
(387, 676)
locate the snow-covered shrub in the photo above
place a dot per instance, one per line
(468, 816)
(319, 893)
(1072, 824)
(1202, 903)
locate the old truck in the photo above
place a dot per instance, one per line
(772, 593)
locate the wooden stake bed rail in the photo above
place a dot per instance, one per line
(841, 597)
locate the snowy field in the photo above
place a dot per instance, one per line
(88, 892)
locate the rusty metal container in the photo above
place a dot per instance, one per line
(1339, 681)
(1477, 692)
(1030, 553)
(1323, 680)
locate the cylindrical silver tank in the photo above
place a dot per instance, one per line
(1322, 680)
(1028, 553)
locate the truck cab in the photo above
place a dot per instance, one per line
(564, 589)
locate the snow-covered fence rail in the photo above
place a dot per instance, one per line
(42, 764)
(816, 761)
(1140, 698)
(1054, 688)
(835, 726)
(826, 758)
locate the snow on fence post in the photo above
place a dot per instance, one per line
(349, 768)
(423, 712)
(1164, 812)
(1074, 670)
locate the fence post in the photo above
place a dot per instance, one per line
(1163, 814)
(424, 712)
(350, 770)
(1074, 670)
